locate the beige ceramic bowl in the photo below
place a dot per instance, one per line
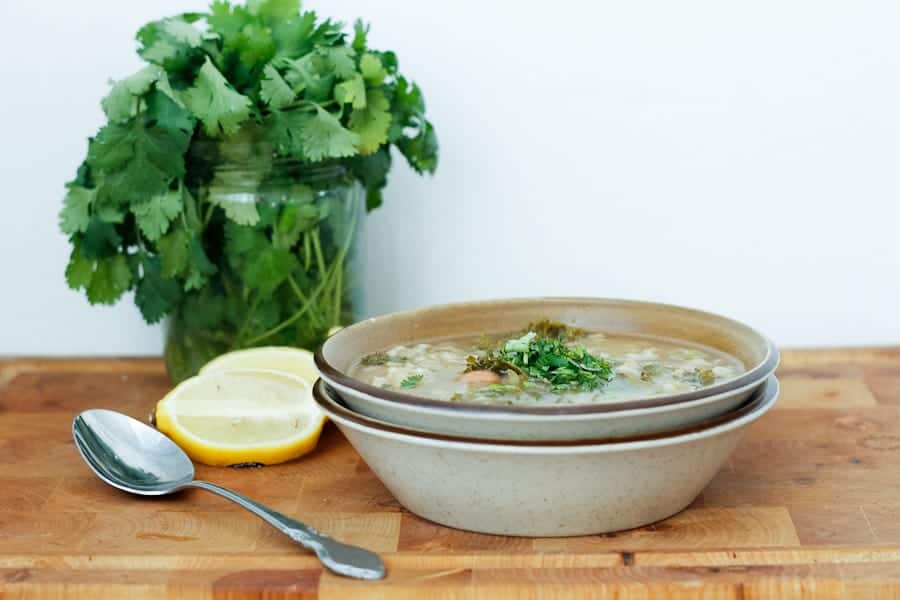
(566, 422)
(563, 489)
(513, 426)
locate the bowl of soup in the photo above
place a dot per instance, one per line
(546, 368)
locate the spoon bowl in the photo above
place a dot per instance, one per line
(129, 455)
(134, 457)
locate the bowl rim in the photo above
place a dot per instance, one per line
(328, 400)
(768, 399)
(508, 417)
(757, 373)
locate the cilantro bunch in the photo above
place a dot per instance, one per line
(233, 99)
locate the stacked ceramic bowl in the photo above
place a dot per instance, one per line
(547, 470)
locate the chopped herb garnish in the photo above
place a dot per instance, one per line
(550, 359)
(705, 376)
(491, 361)
(548, 328)
(379, 359)
(376, 359)
(650, 371)
(411, 382)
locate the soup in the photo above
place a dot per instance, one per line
(546, 363)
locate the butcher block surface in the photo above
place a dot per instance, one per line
(808, 506)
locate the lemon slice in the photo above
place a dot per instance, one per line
(242, 416)
(276, 358)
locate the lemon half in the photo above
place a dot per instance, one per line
(275, 358)
(242, 416)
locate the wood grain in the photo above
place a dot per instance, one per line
(807, 506)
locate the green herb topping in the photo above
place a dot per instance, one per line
(376, 359)
(549, 328)
(564, 366)
(411, 382)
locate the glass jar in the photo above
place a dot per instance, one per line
(283, 240)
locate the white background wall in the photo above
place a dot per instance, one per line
(738, 157)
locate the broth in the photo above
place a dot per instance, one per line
(626, 368)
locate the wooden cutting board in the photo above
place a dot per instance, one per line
(809, 504)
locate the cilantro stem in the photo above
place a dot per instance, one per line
(317, 246)
(337, 265)
(208, 215)
(339, 278)
(290, 320)
(303, 298)
(307, 257)
(140, 240)
(189, 215)
(246, 323)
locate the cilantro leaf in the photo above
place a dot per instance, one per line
(163, 111)
(372, 170)
(411, 381)
(372, 70)
(241, 242)
(421, 152)
(173, 252)
(100, 239)
(372, 122)
(227, 20)
(294, 220)
(111, 278)
(352, 91)
(139, 161)
(254, 45)
(200, 267)
(242, 213)
(107, 208)
(268, 269)
(156, 295)
(285, 129)
(154, 215)
(75, 214)
(175, 45)
(339, 59)
(80, 269)
(274, 90)
(121, 102)
(214, 101)
(311, 74)
(324, 137)
(408, 109)
(276, 9)
(360, 32)
(183, 32)
(293, 37)
(328, 33)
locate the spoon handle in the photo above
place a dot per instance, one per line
(340, 558)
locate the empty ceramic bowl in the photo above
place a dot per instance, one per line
(562, 489)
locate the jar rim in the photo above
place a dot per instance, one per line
(249, 149)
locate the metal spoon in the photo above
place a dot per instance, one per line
(135, 457)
